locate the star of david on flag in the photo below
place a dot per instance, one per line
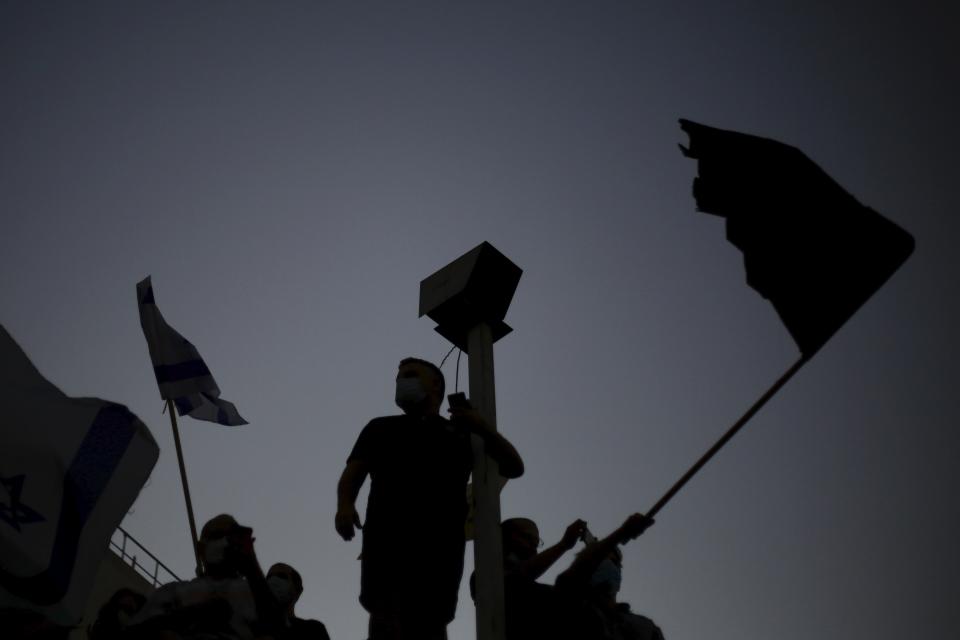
(12, 510)
(70, 468)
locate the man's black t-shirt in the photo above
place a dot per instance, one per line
(413, 540)
(301, 629)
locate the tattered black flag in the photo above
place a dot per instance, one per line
(809, 247)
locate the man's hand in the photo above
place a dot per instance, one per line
(467, 416)
(633, 527)
(573, 533)
(497, 447)
(347, 518)
(241, 546)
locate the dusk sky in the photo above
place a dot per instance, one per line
(288, 172)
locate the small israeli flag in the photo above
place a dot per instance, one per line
(70, 468)
(181, 373)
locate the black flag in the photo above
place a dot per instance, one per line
(808, 246)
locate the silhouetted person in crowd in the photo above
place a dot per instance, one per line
(535, 610)
(229, 601)
(25, 624)
(286, 584)
(115, 615)
(532, 608)
(594, 578)
(521, 541)
(413, 535)
(614, 619)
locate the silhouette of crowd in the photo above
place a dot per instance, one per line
(413, 545)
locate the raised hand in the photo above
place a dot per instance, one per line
(573, 533)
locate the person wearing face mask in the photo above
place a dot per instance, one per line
(592, 582)
(286, 585)
(230, 600)
(615, 620)
(115, 616)
(413, 533)
(536, 610)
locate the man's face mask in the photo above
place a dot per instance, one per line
(215, 551)
(607, 577)
(410, 392)
(283, 590)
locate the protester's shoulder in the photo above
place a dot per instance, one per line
(376, 426)
(161, 601)
(313, 629)
(373, 438)
(447, 426)
(386, 421)
(381, 426)
(169, 591)
(640, 626)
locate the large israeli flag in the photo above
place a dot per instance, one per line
(70, 468)
(181, 373)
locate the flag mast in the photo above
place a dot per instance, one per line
(183, 378)
(732, 431)
(186, 485)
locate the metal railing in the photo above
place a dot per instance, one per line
(128, 548)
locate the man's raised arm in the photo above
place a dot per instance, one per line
(540, 563)
(496, 446)
(579, 572)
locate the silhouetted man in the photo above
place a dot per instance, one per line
(530, 604)
(413, 536)
(614, 620)
(286, 584)
(115, 615)
(230, 600)
(521, 541)
(535, 610)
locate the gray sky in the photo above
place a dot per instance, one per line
(289, 172)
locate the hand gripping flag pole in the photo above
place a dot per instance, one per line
(185, 383)
(808, 246)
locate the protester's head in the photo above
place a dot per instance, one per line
(286, 584)
(605, 581)
(219, 539)
(420, 387)
(521, 538)
(116, 613)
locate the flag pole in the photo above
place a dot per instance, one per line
(732, 431)
(186, 486)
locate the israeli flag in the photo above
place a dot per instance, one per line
(70, 468)
(181, 373)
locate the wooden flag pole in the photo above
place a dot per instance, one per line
(186, 487)
(732, 431)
